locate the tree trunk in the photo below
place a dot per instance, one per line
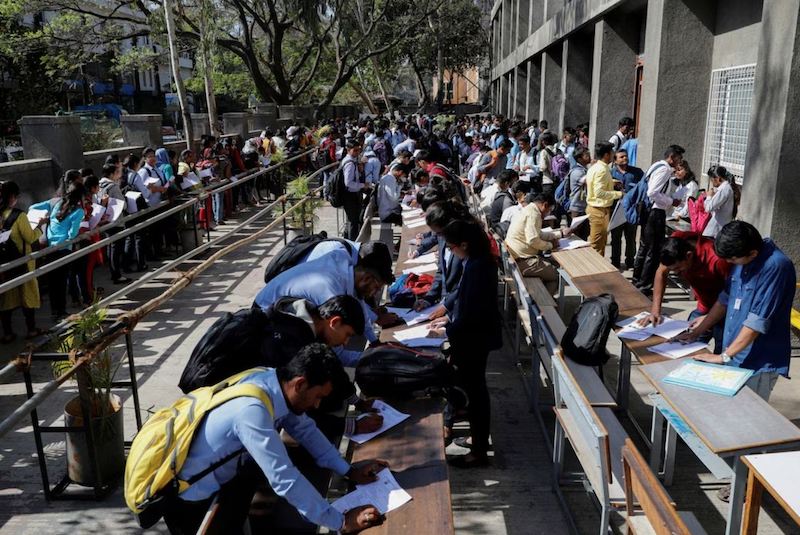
(206, 43)
(439, 64)
(176, 74)
(424, 97)
(361, 93)
(384, 94)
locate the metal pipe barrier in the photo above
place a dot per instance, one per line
(201, 196)
(127, 321)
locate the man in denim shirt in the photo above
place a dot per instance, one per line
(756, 305)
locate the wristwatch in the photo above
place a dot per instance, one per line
(725, 358)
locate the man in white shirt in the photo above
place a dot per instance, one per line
(658, 178)
(618, 139)
(525, 161)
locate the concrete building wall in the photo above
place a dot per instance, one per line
(552, 86)
(737, 30)
(576, 81)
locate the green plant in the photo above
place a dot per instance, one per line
(296, 190)
(100, 370)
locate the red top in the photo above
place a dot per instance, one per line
(708, 273)
(436, 169)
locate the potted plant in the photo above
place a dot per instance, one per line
(104, 406)
(301, 220)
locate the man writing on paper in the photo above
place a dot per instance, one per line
(245, 423)
(756, 306)
(692, 256)
(527, 241)
(601, 192)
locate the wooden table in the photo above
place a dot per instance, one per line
(730, 426)
(779, 473)
(614, 283)
(582, 262)
(407, 234)
(415, 452)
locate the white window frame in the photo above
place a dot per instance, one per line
(730, 102)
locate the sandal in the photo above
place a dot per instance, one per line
(39, 331)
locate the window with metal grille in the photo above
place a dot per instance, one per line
(729, 118)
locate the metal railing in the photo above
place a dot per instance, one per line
(157, 216)
(127, 321)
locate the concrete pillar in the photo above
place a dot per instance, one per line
(498, 101)
(507, 26)
(534, 88)
(615, 45)
(54, 137)
(770, 196)
(141, 130)
(524, 18)
(236, 123)
(551, 7)
(200, 124)
(536, 18)
(576, 82)
(510, 94)
(679, 45)
(550, 101)
(521, 97)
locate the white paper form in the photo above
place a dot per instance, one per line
(413, 317)
(411, 213)
(568, 244)
(97, 214)
(417, 337)
(4, 236)
(617, 217)
(417, 223)
(576, 222)
(130, 198)
(676, 350)
(669, 328)
(424, 259)
(34, 216)
(114, 208)
(419, 270)
(391, 417)
(385, 494)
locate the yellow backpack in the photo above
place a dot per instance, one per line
(162, 445)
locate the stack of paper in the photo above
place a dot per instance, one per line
(34, 216)
(419, 270)
(411, 213)
(568, 244)
(97, 213)
(669, 328)
(130, 198)
(726, 380)
(385, 495)
(576, 222)
(417, 337)
(676, 350)
(424, 259)
(417, 223)
(391, 417)
(114, 208)
(412, 317)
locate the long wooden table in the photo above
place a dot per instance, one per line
(730, 426)
(415, 452)
(779, 474)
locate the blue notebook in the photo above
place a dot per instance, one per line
(725, 380)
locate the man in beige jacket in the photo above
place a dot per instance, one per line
(526, 240)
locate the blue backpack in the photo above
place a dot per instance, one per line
(562, 195)
(636, 203)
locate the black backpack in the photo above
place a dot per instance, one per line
(9, 251)
(396, 371)
(587, 334)
(338, 190)
(295, 250)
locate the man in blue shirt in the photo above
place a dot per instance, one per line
(756, 305)
(629, 176)
(331, 275)
(245, 424)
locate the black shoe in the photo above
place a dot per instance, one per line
(462, 461)
(143, 268)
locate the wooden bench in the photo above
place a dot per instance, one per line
(660, 516)
(596, 437)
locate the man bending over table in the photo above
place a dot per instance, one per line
(692, 256)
